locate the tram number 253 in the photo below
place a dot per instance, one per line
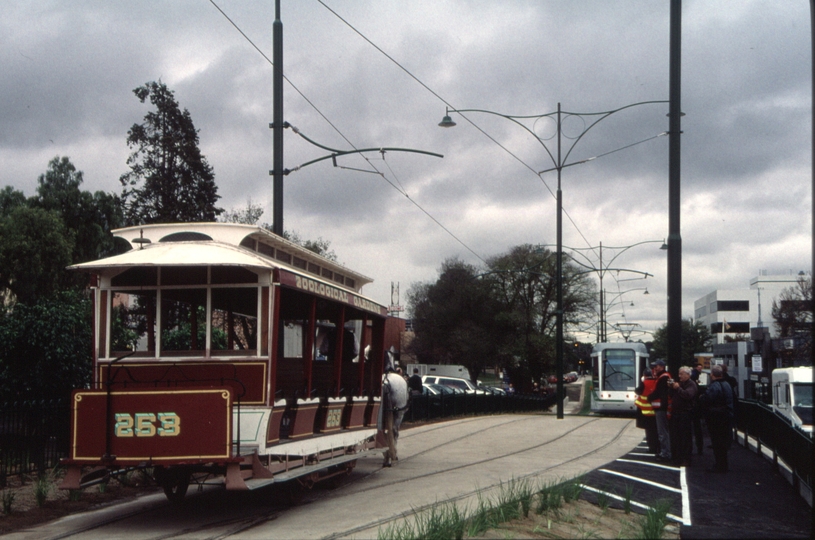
(166, 424)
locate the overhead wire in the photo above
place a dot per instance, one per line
(477, 127)
(341, 134)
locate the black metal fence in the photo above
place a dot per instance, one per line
(34, 435)
(429, 407)
(758, 421)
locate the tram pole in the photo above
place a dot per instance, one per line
(277, 123)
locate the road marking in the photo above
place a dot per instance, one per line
(649, 482)
(649, 464)
(633, 503)
(683, 479)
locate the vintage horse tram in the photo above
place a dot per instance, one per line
(225, 353)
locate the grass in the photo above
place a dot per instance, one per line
(42, 488)
(513, 501)
(655, 519)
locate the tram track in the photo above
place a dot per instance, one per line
(235, 526)
(462, 496)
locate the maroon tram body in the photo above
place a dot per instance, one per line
(225, 351)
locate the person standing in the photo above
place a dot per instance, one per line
(717, 405)
(659, 401)
(646, 415)
(683, 399)
(734, 385)
(696, 417)
(415, 383)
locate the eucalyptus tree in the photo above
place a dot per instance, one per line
(455, 318)
(524, 282)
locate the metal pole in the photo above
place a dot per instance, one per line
(674, 359)
(812, 45)
(277, 125)
(559, 313)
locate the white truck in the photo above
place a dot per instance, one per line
(792, 395)
(445, 370)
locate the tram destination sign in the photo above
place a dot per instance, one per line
(324, 290)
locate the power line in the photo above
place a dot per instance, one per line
(368, 161)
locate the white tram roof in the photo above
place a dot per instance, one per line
(223, 244)
(635, 346)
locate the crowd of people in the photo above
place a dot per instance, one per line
(671, 412)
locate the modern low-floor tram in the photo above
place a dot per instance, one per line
(223, 350)
(616, 371)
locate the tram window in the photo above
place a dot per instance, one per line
(133, 323)
(292, 339)
(265, 249)
(183, 321)
(618, 370)
(235, 320)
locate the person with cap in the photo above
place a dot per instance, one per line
(659, 400)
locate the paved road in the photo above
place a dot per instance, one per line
(450, 461)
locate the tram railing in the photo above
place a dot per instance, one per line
(764, 428)
(34, 435)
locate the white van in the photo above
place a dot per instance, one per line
(792, 396)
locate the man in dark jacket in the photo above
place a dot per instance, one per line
(415, 383)
(659, 400)
(717, 406)
(683, 399)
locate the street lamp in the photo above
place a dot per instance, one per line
(559, 160)
(602, 336)
(618, 250)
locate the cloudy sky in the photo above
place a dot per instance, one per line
(374, 73)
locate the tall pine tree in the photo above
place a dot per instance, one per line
(169, 179)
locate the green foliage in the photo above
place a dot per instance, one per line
(696, 338)
(319, 246)
(653, 523)
(89, 216)
(792, 310)
(169, 179)
(44, 347)
(8, 500)
(42, 488)
(35, 248)
(454, 319)
(503, 315)
(246, 216)
(10, 199)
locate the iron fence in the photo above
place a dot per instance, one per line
(795, 447)
(429, 407)
(34, 435)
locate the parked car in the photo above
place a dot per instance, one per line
(492, 390)
(453, 382)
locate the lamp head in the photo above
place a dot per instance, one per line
(446, 122)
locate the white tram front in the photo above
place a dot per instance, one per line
(225, 350)
(616, 372)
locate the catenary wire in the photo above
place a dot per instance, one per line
(341, 134)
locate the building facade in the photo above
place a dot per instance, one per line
(733, 312)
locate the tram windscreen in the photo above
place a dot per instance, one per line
(618, 370)
(802, 401)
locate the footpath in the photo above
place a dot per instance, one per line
(752, 500)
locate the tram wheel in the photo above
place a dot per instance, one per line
(175, 487)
